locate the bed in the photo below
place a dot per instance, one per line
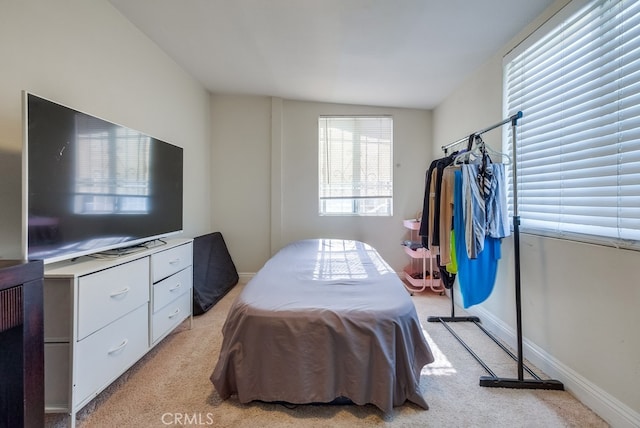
(323, 320)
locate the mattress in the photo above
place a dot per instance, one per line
(324, 319)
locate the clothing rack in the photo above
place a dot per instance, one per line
(493, 380)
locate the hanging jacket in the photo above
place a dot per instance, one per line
(430, 224)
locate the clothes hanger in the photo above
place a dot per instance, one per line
(506, 159)
(477, 149)
(474, 152)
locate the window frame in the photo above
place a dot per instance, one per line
(345, 197)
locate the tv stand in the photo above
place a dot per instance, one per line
(103, 314)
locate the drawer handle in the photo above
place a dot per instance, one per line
(119, 347)
(174, 261)
(178, 285)
(125, 290)
(176, 312)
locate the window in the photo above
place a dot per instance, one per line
(356, 165)
(113, 167)
(577, 82)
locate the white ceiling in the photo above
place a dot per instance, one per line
(397, 53)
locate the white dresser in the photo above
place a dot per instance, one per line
(103, 315)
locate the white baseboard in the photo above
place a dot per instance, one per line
(245, 276)
(614, 412)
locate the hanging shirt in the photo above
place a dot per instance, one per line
(476, 277)
(452, 266)
(426, 206)
(473, 210)
(430, 224)
(446, 214)
(496, 204)
(485, 205)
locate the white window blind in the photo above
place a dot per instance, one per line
(355, 165)
(578, 143)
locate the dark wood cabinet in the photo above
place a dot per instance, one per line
(21, 344)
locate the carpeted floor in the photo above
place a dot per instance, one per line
(170, 387)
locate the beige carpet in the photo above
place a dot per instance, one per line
(171, 387)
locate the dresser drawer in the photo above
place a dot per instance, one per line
(104, 355)
(168, 262)
(107, 295)
(170, 288)
(170, 316)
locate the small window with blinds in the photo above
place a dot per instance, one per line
(355, 165)
(577, 82)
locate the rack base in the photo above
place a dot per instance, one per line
(453, 319)
(493, 380)
(498, 382)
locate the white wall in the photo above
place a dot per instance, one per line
(241, 129)
(411, 155)
(84, 54)
(266, 177)
(579, 302)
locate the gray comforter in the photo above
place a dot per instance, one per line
(323, 319)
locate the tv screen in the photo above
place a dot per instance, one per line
(92, 185)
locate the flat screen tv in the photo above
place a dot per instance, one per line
(91, 185)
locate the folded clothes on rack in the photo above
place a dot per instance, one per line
(414, 245)
(421, 275)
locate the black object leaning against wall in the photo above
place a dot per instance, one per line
(214, 272)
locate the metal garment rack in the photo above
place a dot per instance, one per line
(493, 380)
